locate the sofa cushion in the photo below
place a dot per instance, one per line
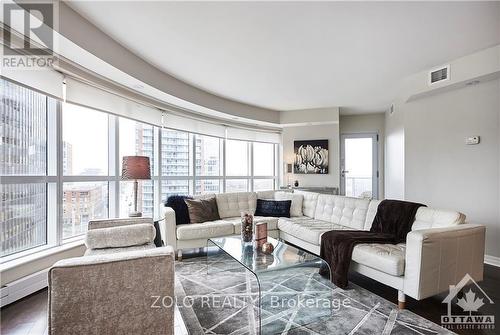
(436, 218)
(388, 258)
(370, 213)
(424, 219)
(202, 210)
(345, 211)
(269, 195)
(297, 200)
(306, 228)
(232, 204)
(309, 202)
(194, 231)
(273, 208)
(272, 222)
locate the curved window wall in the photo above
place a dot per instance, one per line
(60, 167)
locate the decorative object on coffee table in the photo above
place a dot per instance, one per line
(134, 168)
(260, 234)
(247, 227)
(268, 248)
(311, 157)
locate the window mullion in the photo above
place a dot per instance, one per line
(276, 166)
(193, 137)
(113, 167)
(59, 173)
(157, 182)
(251, 157)
(52, 176)
(224, 165)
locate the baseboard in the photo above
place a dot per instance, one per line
(492, 260)
(23, 287)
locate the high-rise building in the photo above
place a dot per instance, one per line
(82, 202)
(176, 150)
(23, 135)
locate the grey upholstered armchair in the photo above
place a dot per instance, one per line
(114, 287)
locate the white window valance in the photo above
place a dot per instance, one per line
(84, 94)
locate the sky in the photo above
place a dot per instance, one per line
(358, 157)
(87, 131)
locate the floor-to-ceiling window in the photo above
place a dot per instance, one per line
(237, 167)
(264, 158)
(208, 167)
(60, 167)
(85, 135)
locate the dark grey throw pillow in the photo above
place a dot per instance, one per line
(273, 208)
(202, 210)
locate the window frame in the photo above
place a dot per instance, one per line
(55, 179)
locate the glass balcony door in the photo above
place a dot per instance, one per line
(359, 165)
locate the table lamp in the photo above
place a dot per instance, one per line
(134, 168)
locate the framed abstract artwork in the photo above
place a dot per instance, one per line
(311, 157)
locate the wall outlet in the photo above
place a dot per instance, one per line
(472, 140)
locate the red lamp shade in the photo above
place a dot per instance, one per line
(135, 167)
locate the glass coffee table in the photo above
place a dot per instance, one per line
(286, 288)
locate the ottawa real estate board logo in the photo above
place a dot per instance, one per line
(29, 34)
(470, 298)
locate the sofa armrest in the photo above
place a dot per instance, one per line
(108, 223)
(439, 257)
(168, 227)
(113, 293)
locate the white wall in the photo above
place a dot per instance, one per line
(328, 129)
(426, 157)
(440, 170)
(394, 171)
(368, 123)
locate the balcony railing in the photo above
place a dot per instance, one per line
(360, 187)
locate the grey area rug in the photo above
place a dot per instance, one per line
(225, 300)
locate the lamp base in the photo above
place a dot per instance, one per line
(134, 214)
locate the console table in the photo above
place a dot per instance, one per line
(323, 190)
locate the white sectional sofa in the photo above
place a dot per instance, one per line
(439, 251)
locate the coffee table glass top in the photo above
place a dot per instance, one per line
(283, 256)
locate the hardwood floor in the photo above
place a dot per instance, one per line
(29, 315)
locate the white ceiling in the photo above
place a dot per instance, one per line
(298, 55)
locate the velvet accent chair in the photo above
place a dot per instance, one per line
(122, 285)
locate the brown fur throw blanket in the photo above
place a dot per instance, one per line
(392, 223)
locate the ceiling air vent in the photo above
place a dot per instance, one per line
(439, 75)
